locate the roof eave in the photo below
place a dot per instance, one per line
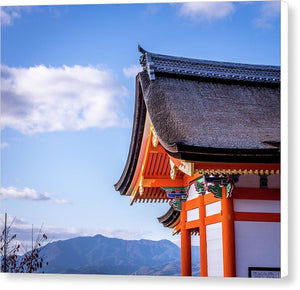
(203, 154)
(136, 139)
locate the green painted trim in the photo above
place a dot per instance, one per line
(200, 188)
(176, 189)
(176, 204)
(216, 190)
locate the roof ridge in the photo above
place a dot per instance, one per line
(165, 64)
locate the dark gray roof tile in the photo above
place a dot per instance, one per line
(212, 114)
(155, 64)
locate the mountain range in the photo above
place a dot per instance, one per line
(103, 255)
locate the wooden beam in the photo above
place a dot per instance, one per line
(157, 149)
(237, 166)
(213, 219)
(192, 224)
(257, 216)
(191, 179)
(209, 198)
(256, 193)
(161, 182)
(228, 237)
(186, 254)
(202, 236)
(191, 204)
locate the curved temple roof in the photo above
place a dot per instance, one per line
(207, 111)
(170, 219)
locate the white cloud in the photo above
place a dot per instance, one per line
(26, 193)
(199, 11)
(61, 201)
(10, 13)
(269, 12)
(22, 194)
(13, 221)
(132, 71)
(46, 99)
(23, 230)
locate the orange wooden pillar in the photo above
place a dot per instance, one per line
(202, 236)
(186, 255)
(228, 237)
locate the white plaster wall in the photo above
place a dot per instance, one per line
(192, 192)
(195, 241)
(274, 181)
(213, 208)
(192, 214)
(252, 180)
(248, 180)
(214, 250)
(257, 244)
(248, 205)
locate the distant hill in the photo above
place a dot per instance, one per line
(102, 255)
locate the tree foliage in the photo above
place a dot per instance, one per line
(15, 258)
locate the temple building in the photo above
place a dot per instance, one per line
(206, 140)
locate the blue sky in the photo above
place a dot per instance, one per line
(67, 102)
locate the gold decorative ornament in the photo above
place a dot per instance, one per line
(141, 189)
(173, 170)
(154, 139)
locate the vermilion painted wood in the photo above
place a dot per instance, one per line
(189, 180)
(186, 255)
(158, 182)
(192, 224)
(209, 198)
(256, 193)
(157, 149)
(232, 166)
(142, 158)
(202, 236)
(192, 204)
(212, 219)
(228, 237)
(257, 216)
